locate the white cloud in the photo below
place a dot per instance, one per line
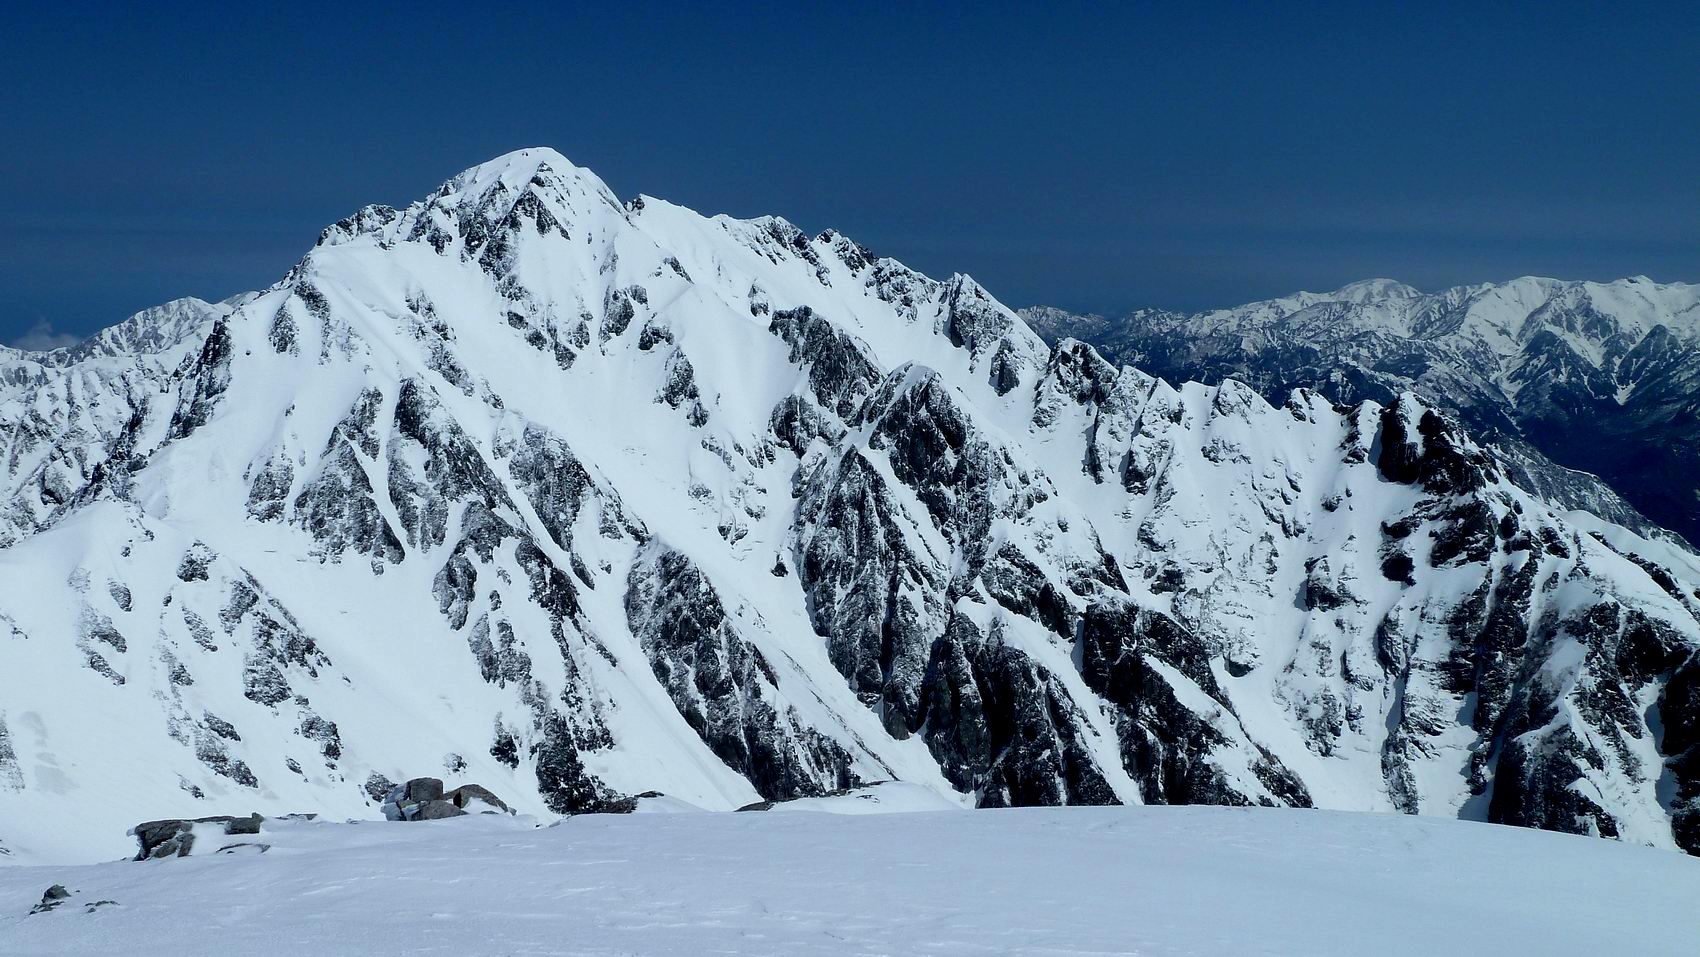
(42, 338)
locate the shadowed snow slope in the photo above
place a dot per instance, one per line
(1148, 881)
(580, 499)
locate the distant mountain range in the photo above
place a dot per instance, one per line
(1603, 378)
(582, 498)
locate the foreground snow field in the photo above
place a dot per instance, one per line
(1149, 880)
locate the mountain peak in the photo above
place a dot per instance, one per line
(516, 164)
(1373, 290)
(489, 191)
(537, 167)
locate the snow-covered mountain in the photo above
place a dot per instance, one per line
(581, 499)
(1601, 378)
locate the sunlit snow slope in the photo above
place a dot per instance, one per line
(579, 498)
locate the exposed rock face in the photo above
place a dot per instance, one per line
(723, 686)
(601, 498)
(1005, 728)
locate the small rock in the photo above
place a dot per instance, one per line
(56, 895)
(377, 787)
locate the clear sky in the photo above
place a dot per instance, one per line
(1090, 156)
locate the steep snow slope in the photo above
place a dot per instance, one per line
(1601, 377)
(580, 499)
(1149, 881)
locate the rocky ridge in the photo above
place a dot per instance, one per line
(1567, 380)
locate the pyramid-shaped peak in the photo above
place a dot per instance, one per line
(514, 172)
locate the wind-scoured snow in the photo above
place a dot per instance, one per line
(580, 499)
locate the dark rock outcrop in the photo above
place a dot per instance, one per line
(175, 837)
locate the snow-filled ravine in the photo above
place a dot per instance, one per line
(1119, 880)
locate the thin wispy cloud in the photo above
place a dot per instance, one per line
(42, 337)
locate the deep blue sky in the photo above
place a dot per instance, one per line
(1089, 156)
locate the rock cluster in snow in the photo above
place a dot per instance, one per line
(423, 799)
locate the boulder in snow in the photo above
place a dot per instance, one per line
(477, 799)
(175, 837)
(436, 810)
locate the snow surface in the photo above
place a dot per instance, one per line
(1147, 881)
